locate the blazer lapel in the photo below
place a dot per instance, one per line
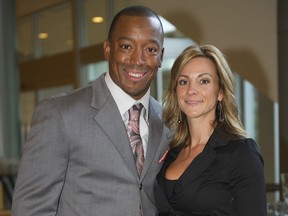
(198, 166)
(206, 158)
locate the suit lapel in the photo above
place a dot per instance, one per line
(155, 134)
(110, 120)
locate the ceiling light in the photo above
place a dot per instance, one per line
(97, 19)
(43, 35)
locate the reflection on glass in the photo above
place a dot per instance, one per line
(55, 30)
(29, 100)
(93, 71)
(284, 183)
(95, 21)
(24, 38)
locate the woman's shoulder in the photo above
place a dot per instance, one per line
(244, 149)
(238, 143)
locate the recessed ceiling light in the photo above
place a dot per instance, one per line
(97, 19)
(43, 35)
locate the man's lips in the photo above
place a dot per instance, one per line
(135, 74)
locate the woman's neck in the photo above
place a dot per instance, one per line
(200, 132)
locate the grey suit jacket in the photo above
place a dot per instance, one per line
(77, 160)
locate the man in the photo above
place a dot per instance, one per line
(77, 160)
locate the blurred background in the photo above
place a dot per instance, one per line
(53, 46)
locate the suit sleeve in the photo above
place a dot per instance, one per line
(43, 164)
(247, 179)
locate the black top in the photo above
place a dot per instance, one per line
(169, 187)
(226, 178)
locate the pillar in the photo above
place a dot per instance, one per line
(10, 138)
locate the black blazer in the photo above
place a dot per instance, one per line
(226, 178)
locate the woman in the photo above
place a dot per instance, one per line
(212, 168)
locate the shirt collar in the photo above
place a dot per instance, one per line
(119, 96)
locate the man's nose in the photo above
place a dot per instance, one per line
(137, 57)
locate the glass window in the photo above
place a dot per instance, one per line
(24, 38)
(97, 18)
(93, 71)
(55, 30)
(119, 5)
(27, 106)
(163, 77)
(95, 21)
(250, 109)
(53, 91)
(29, 100)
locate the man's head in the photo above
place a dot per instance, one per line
(134, 49)
(133, 11)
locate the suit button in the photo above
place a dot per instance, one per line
(140, 187)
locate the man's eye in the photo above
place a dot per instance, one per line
(152, 50)
(125, 46)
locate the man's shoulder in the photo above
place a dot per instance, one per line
(72, 96)
(156, 104)
(80, 94)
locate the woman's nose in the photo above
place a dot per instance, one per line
(192, 89)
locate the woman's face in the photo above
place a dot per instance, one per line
(198, 89)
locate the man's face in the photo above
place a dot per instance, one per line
(134, 53)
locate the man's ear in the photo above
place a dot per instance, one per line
(106, 48)
(161, 57)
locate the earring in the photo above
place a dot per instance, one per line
(180, 117)
(221, 116)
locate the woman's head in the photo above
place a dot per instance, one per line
(226, 111)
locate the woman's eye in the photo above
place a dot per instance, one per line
(204, 81)
(182, 82)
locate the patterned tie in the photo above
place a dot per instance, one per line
(134, 136)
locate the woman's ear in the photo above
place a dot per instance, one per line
(220, 95)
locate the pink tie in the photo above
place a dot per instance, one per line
(134, 136)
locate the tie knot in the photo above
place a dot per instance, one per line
(134, 113)
(138, 107)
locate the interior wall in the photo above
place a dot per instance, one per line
(25, 7)
(246, 31)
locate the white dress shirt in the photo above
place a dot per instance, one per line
(125, 102)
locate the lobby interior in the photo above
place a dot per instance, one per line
(51, 46)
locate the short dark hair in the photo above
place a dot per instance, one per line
(137, 10)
